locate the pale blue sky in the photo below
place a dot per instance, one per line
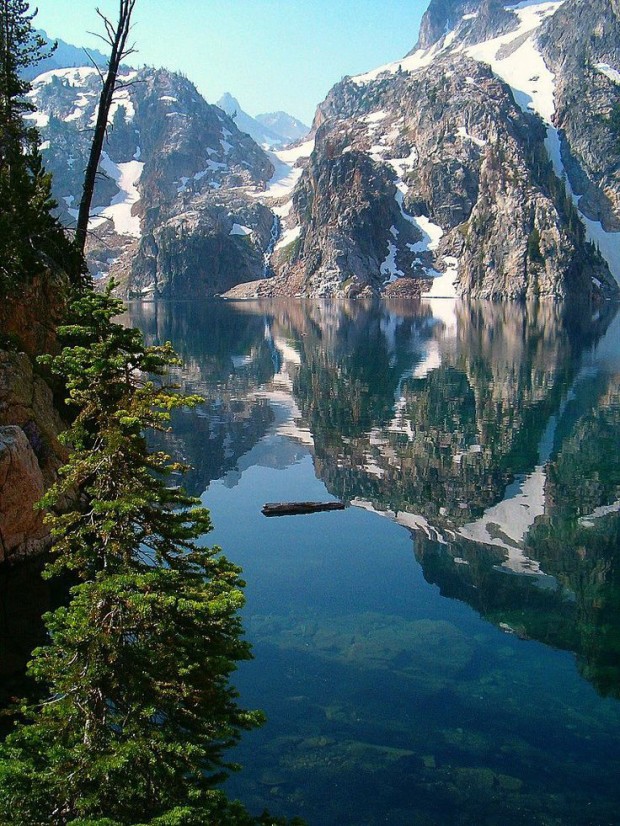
(271, 54)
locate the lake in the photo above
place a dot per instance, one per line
(446, 650)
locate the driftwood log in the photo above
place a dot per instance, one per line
(292, 508)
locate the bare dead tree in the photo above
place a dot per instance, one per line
(116, 37)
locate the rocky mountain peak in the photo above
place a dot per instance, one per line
(284, 124)
(446, 171)
(475, 20)
(272, 131)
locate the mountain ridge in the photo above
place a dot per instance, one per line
(439, 174)
(490, 259)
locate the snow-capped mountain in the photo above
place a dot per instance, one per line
(283, 124)
(64, 56)
(467, 167)
(271, 131)
(173, 210)
(484, 163)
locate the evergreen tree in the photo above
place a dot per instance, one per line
(29, 235)
(139, 709)
(20, 47)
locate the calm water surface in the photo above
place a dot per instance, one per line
(447, 649)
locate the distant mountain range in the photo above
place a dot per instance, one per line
(64, 56)
(272, 130)
(281, 123)
(484, 163)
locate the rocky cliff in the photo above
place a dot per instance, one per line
(581, 45)
(173, 212)
(30, 452)
(484, 163)
(445, 173)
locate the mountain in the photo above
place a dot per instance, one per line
(174, 211)
(281, 123)
(269, 131)
(483, 163)
(64, 56)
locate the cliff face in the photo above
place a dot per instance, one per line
(444, 173)
(484, 163)
(415, 172)
(30, 452)
(581, 44)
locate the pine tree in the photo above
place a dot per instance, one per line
(139, 709)
(20, 47)
(30, 237)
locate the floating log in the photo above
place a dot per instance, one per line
(293, 508)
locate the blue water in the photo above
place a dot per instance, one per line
(411, 676)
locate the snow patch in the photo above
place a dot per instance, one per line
(444, 286)
(375, 117)
(463, 133)
(606, 69)
(431, 361)
(40, 119)
(284, 210)
(507, 523)
(286, 174)
(431, 234)
(597, 513)
(389, 268)
(419, 59)
(74, 76)
(240, 229)
(126, 177)
(288, 237)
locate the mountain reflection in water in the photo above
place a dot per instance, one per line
(491, 433)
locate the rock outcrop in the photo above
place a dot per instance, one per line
(21, 486)
(30, 451)
(414, 172)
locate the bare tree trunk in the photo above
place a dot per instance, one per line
(116, 36)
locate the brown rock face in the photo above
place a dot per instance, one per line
(21, 486)
(26, 401)
(30, 452)
(31, 315)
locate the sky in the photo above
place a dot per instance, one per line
(270, 54)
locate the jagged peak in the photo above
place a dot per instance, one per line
(482, 20)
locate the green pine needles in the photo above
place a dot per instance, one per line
(31, 238)
(139, 709)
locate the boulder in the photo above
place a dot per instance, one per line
(22, 531)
